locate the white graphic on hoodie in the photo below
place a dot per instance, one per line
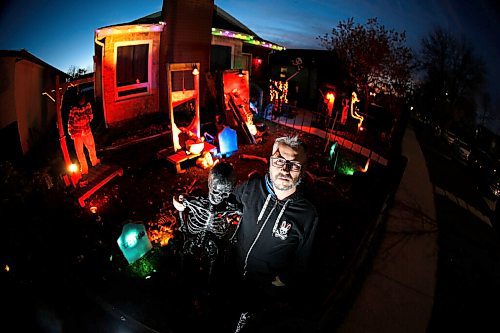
(282, 232)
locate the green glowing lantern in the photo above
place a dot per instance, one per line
(134, 242)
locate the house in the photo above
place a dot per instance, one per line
(26, 114)
(131, 59)
(307, 71)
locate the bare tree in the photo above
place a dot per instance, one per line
(452, 79)
(376, 59)
(75, 72)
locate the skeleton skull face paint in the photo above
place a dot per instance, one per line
(218, 190)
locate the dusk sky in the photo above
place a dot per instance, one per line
(61, 32)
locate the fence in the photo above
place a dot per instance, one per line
(362, 142)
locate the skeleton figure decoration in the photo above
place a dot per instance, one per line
(205, 221)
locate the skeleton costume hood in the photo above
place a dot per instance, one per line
(274, 237)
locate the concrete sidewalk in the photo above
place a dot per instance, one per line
(397, 295)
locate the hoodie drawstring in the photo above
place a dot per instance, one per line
(275, 228)
(264, 208)
(260, 231)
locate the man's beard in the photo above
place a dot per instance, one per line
(285, 187)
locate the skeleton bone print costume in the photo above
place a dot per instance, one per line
(208, 219)
(203, 217)
(204, 220)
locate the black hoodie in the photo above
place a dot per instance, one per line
(274, 237)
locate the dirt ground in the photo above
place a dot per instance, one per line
(53, 239)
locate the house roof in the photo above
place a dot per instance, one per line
(221, 20)
(25, 55)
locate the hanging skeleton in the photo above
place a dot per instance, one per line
(205, 221)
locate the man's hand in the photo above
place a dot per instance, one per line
(178, 203)
(277, 282)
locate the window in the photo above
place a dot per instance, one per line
(133, 68)
(243, 61)
(220, 58)
(283, 72)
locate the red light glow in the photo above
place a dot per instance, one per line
(330, 100)
(330, 97)
(367, 165)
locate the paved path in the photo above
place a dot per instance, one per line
(464, 205)
(397, 295)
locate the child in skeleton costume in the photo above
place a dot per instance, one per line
(205, 221)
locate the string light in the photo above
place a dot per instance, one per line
(117, 30)
(245, 38)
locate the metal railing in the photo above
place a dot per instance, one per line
(364, 142)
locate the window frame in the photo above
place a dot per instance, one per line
(226, 44)
(134, 86)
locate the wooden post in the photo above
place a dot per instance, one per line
(62, 136)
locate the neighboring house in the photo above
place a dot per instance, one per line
(318, 69)
(26, 116)
(129, 73)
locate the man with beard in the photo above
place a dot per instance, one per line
(274, 238)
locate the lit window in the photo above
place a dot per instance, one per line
(133, 68)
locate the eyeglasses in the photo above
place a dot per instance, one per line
(280, 162)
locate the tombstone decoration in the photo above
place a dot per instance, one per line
(134, 242)
(228, 141)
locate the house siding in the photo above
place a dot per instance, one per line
(7, 99)
(124, 109)
(35, 113)
(118, 111)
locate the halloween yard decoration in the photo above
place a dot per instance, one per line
(205, 221)
(237, 99)
(184, 105)
(134, 242)
(99, 175)
(184, 111)
(354, 114)
(228, 141)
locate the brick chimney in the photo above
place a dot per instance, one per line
(187, 38)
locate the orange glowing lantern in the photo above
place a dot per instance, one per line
(330, 99)
(72, 168)
(195, 70)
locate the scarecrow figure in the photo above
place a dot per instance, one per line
(79, 129)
